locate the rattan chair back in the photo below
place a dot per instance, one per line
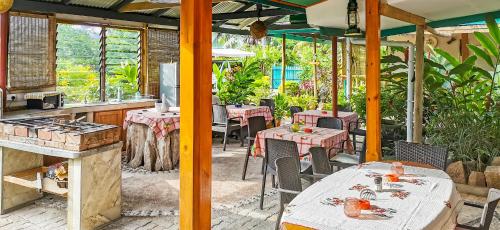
(320, 161)
(288, 177)
(330, 123)
(276, 148)
(256, 124)
(422, 153)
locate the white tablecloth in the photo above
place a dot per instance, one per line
(432, 201)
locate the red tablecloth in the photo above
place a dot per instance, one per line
(160, 123)
(310, 117)
(247, 111)
(327, 138)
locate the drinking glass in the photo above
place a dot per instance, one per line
(351, 207)
(397, 168)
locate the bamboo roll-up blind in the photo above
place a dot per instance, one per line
(30, 61)
(163, 47)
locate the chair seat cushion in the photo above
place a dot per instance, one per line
(346, 158)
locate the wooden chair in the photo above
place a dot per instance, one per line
(488, 211)
(221, 123)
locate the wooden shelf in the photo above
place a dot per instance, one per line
(33, 178)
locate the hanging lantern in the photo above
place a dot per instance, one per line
(258, 29)
(352, 19)
(5, 5)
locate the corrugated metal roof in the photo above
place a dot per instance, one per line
(172, 12)
(226, 7)
(106, 4)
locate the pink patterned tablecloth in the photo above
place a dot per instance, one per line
(310, 117)
(160, 123)
(247, 111)
(327, 138)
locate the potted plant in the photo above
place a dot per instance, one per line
(281, 108)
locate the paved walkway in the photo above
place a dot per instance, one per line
(50, 212)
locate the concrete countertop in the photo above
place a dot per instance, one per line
(81, 108)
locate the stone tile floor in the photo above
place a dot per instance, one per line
(50, 213)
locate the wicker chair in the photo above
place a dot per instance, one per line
(330, 123)
(488, 211)
(355, 130)
(294, 110)
(289, 184)
(346, 108)
(221, 123)
(344, 160)
(269, 103)
(255, 124)
(276, 149)
(320, 162)
(420, 153)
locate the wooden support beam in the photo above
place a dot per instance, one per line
(315, 69)
(418, 111)
(196, 99)
(464, 50)
(4, 48)
(253, 14)
(437, 33)
(335, 90)
(399, 14)
(102, 75)
(141, 6)
(283, 64)
(373, 117)
(144, 61)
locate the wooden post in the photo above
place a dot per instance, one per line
(464, 50)
(144, 61)
(102, 76)
(373, 118)
(343, 70)
(283, 63)
(315, 70)
(195, 128)
(335, 90)
(4, 35)
(419, 88)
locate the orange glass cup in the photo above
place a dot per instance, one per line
(397, 168)
(352, 207)
(392, 177)
(364, 204)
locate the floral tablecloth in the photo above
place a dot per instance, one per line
(160, 123)
(247, 111)
(327, 138)
(310, 117)
(423, 199)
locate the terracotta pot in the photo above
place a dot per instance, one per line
(278, 123)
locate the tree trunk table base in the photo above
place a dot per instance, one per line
(145, 149)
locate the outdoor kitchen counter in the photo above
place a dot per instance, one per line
(81, 108)
(94, 181)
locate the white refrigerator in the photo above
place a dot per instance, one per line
(170, 83)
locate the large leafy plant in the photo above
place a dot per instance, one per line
(235, 85)
(281, 106)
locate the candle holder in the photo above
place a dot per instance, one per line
(351, 207)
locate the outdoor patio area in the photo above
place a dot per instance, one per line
(151, 200)
(250, 114)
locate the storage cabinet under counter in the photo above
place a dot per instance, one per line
(93, 155)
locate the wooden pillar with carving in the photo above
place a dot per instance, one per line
(335, 90)
(195, 128)
(373, 117)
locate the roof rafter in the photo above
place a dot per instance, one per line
(253, 14)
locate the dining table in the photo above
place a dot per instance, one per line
(244, 112)
(152, 138)
(327, 138)
(423, 198)
(310, 117)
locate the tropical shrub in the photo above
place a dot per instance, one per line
(281, 107)
(124, 77)
(307, 102)
(235, 85)
(262, 89)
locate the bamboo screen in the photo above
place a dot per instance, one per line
(30, 65)
(163, 47)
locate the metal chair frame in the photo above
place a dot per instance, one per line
(255, 124)
(488, 210)
(222, 123)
